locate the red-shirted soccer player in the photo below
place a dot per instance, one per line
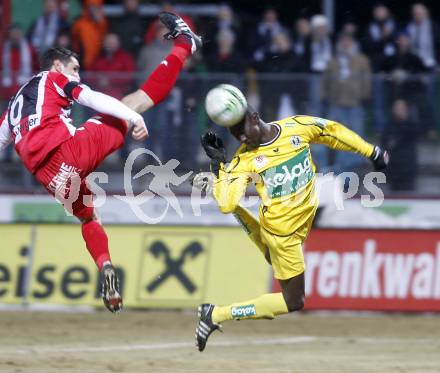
(61, 155)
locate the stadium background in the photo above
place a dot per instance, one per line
(382, 258)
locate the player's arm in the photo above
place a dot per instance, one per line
(230, 183)
(230, 187)
(5, 133)
(139, 101)
(338, 137)
(161, 81)
(102, 103)
(106, 104)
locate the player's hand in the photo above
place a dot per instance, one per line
(213, 146)
(140, 131)
(380, 158)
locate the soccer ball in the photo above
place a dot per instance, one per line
(225, 105)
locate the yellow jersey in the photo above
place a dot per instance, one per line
(283, 171)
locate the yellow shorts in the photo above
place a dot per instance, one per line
(286, 252)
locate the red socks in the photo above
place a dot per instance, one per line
(96, 242)
(162, 80)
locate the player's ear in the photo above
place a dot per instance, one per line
(255, 117)
(58, 66)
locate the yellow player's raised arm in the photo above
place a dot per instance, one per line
(231, 181)
(338, 137)
(230, 186)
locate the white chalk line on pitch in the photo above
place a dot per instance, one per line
(228, 343)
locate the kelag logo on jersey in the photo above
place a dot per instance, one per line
(288, 177)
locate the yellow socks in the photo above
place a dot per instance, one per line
(265, 307)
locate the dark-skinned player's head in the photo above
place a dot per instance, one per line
(249, 130)
(61, 60)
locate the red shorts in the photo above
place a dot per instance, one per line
(64, 172)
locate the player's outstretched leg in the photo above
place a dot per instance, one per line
(159, 84)
(110, 288)
(97, 244)
(162, 80)
(266, 306)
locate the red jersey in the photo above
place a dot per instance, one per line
(38, 116)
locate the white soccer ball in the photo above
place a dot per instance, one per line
(225, 105)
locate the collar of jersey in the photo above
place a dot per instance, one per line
(276, 137)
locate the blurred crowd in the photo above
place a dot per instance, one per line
(379, 81)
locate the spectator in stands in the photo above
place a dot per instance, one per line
(152, 53)
(425, 42)
(45, 29)
(263, 36)
(226, 58)
(280, 57)
(301, 44)
(380, 39)
(226, 20)
(321, 46)
(400, 139)
(404, 59)
(403, 68)
(346, 85)
(150, 34)
(115, 68)
(320, 56)
(301, 40)
(64, 8)
(18, 61)
(425, 36)
(277, 96)
(88, 32)
(130, 27)
(64, 40)
(379, 45)
(350, 27)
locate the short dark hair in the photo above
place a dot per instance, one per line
(57, 53)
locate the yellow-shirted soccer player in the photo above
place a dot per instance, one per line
(276, 157)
